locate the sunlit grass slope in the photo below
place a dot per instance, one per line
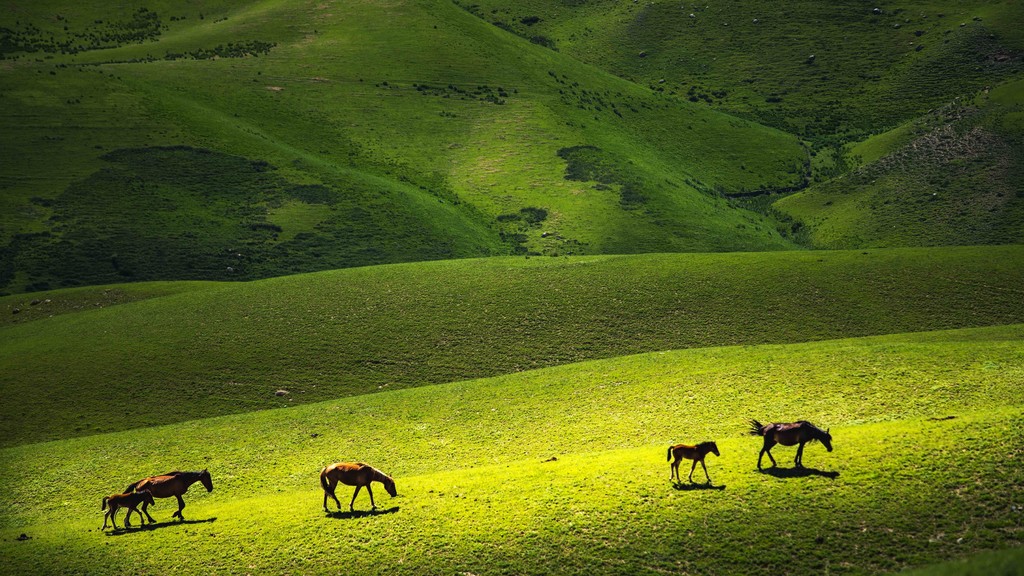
(1008, 562)
(927, 432)
(825, 70)
(246, 140)
(222, 348)
(954, 176)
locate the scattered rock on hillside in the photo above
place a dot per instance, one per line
(281, 392)
(876, 11)
(24, 537)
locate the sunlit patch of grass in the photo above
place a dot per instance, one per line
(860, 509)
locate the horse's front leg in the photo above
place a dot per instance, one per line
(705, 466)
(692, 468)
(370, 492)
(181, 506)
(144, 506)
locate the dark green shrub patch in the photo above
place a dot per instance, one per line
(200, 214)
(229, 50)
(143, 25)
(590, 163)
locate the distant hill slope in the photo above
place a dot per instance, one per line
(223, 348)
(245, 140)
(827, 71)
(954, 176)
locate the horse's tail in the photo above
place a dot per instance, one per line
(131, 487)
(104, 505)
(756, 429)
(323, 481)
(669, 453)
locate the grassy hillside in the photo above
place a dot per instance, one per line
(927, 428)
(251, 140)
(224, 348)
(954, 176)
(825, 71)
(1003, 563)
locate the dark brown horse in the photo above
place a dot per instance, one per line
(695, 452)
(355, 474)
(128, 500)
(789, 434)
(171, 484)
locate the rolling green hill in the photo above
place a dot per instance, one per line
(825, 71)
(955, 176)
(222, 348)
(509, 252)
(926, 427)
(253, 140)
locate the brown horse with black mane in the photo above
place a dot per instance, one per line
(171, 484)
(695, 452)
(355, 474)
(788, 434)
(114, 502)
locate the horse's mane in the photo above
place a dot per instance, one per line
(705, 444)
(379, 476)
(816, 433)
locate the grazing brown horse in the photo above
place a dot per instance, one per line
(171, 484)
(127, 500)
(788, 434)
(355, 474)
(691, 452)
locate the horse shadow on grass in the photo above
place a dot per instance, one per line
(690, 486)
(122, 531)
(340, 515)
(800, 472)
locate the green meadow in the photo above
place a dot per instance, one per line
(929, 420)
(508, 253)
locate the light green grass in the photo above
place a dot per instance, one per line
(476, 495)
(1008, 562)
(228, 349)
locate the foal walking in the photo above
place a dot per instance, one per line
(355, 474)
(127, 500)
(691, 452)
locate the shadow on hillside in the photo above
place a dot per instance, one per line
(799, 473)
(122, 531)
(361, 513)
(689, 486)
